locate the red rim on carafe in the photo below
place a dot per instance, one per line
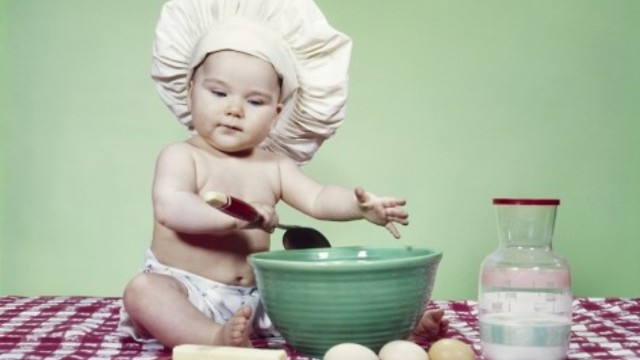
(520, 201)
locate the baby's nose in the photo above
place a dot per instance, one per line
(234, 108)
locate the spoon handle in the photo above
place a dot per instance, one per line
(232, 206)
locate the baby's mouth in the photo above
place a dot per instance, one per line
(230, 127)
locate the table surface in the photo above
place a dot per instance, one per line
(86, 328)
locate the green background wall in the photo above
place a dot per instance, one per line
(452, 103)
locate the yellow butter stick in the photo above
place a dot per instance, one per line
(204, 352)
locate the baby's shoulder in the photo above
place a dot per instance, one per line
(177, 147)
(177, 151)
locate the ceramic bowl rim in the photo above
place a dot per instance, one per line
(264, 260)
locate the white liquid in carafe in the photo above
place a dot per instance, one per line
(512, 336)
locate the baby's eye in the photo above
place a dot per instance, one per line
(256, 102)
(219, 93)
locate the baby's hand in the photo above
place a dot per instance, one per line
(268, 217)
(384, 211)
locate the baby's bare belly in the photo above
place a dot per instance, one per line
(219, 258)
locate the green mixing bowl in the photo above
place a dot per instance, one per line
(317, 298)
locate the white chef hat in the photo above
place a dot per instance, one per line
(293, 35)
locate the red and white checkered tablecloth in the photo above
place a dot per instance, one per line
(67, 328)
(603, 328)
(86, 328)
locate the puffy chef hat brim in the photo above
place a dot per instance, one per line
(293, 35)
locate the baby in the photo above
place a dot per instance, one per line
(197, 286)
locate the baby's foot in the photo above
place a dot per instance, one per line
(431, 325)
(236, 331)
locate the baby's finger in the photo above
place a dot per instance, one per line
(361, 195)
(396, 212)
(393, 202)
(398, 220)
(393, 230)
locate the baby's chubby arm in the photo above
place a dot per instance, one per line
(330, 202)
(177, 203)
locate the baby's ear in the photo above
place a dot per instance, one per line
(279, 108)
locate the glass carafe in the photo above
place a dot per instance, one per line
(524, 299)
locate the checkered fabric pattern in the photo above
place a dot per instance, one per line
(37, 328)
(603, 328)
(67, 328)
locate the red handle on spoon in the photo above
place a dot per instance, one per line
(232, 206)
(295, 237)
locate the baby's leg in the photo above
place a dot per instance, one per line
(159, 307)
(432, 325)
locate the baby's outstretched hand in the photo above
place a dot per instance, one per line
(384, 211)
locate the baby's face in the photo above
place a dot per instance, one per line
(234, 100)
